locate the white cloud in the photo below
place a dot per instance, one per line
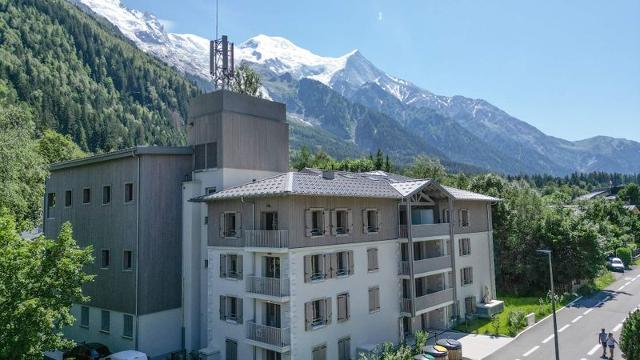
(167, 24)
(379, 15)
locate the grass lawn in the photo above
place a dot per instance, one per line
(511, 303)
(603, 280)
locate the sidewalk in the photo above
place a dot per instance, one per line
(474, 347)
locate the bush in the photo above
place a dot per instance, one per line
(624, 254)
(629, 336)
(516, 320)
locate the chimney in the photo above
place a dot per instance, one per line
(328, 174)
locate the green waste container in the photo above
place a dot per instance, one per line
(436, 351)
(423, 357)
(454, 348)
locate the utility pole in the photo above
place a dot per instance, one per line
(553, 301)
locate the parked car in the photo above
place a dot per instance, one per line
(615, 264)
(127, 355)
(87, 351)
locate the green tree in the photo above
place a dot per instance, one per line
(301, 159)
(39, 280)
(424, 167)
(246, 81)
(378, 161)
(630, 194)
(55, 147)
(630, 335)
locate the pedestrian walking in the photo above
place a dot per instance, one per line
(602, 339)
(611, 343)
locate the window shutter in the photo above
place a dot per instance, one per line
(330, 265)
(379, 215)
(327, 224)
(350, 221)
(223, 265)
(238, 224)
(462, 280)
(307, 222)
(459, 217)
(239, 310)
(308, 315)
(239, 265)
(365, 221)
(221, 225)
(307, 268)
(223, 307)
(274, 225)
(460, 243)
(334, 222)
(327, 309)
(348, 297)
(341, 309)
(350, 258)
(323, 353)
(371, 301)
(470, 275)
(377, 298)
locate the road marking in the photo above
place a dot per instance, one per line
(547, 339)
(531, 351)
(627, 283)
(563, 328)
(587, 312)
(617, 327)
(576, 319)
(593, 351)
(621, 287)
(574, 301)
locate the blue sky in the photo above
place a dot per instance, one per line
(570, 68)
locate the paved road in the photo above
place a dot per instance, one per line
(578, 325)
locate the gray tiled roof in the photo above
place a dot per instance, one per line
(311, 182)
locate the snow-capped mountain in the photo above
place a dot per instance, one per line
(355, 92)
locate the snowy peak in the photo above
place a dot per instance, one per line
(279, 55)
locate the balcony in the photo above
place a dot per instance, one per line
(426, 265)
(268, 337)
(271, 239)
(269, 287)
(424, 230)
(427, 301)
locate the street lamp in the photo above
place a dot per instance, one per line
(553, 301)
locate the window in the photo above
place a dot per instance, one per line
(231, 308)
(372, 259)
(464, 217)
(210, 190)
(127, 260)
(51, 204)
(231, 349)
(199, 157)
(269, 220)
(344, 349)
(212, 155)
(68, 199)
(272, 267)
(445, 216)
(317, 313)
(314, 267)
(84, 316)
(466, 275)
(105, 321)
(127, 326)
(341, 222)
(86, 195)
(106, 195)
(343, 263)
(370, 221)
(317, 223)
(105, 258)
(319, 352)
(272, 355)
(231, 266)
(343, 307)
(470, 305)
(128, 192)
(230, 224)
(374, 299)
(206, 220)
(464, 246)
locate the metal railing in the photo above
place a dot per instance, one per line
(426, 265)
(267, 238)
(279, 337)
(433, 299)
(423, 230)
(277, 287)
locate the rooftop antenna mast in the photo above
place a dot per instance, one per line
(221, 66)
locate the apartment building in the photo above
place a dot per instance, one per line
(217, 247)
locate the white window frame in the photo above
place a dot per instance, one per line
(124, 326)
(462, 247)
(317, 231)
(463, 280)
(377, 260)
(102, 323)
(372, 229)
(343, 230)
(375, 307)
(347, 315)
(462, 223)
(226, 232)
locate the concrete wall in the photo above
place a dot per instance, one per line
(114, 339)
(478, 221)
(479, 260)
(160, 333)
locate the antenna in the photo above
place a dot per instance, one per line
(221, 62)
(217, 21)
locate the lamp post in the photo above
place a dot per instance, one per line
(553, 301)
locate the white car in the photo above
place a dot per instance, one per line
(615, 264)
(127, 355)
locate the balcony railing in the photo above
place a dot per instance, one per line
(424, 230)
(426, 265)
(276, 287)
(270, 335)
(266, 238)
(430, 300)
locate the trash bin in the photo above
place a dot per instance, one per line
(423, 357)
(436, 351)
(454, 348)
